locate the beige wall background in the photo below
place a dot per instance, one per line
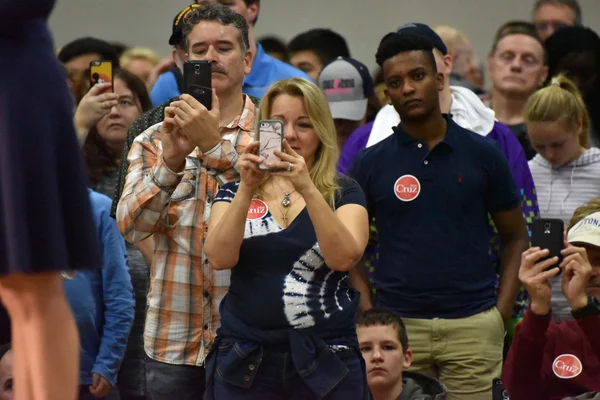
(361, 22)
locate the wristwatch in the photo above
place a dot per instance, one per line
(592, 308)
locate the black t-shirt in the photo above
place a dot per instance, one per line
(281, 280)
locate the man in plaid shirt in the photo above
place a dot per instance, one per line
(174, 172)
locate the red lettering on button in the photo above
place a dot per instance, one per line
(257, 210)
(407, 188)
(567, 366)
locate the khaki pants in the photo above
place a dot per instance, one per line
(464, 353)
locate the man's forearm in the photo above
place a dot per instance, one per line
(509, 276)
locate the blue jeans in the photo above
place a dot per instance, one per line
(277, 379)
(84, 394)
(174, 382)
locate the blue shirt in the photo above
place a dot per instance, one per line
(102, 301)
(433, 223)
(266, 70)
(164, 89)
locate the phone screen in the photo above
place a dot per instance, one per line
(100, 72)
(270, 134)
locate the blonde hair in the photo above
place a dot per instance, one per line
(451, 37)
(580, 213)
(135, 53)
(560, 101)
(323, 171)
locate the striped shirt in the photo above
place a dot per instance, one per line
(185, 293)
(560, 191)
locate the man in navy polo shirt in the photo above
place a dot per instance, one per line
(430, 187)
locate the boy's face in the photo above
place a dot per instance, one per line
(383, 354)
(6, 377)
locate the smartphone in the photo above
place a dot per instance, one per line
(197, 81)
(100, 72)
(270, 136)
(498, 391)
(548, 233)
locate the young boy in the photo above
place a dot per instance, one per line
(6, 377)
(384, 346)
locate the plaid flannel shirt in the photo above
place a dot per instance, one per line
(185, 293)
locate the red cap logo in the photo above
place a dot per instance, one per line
(257, 210)
(567, 366)
(407, 188)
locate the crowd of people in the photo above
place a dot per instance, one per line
(385, 254)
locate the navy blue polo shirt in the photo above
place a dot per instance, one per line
(431, 210)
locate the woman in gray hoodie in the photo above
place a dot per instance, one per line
(566, 171)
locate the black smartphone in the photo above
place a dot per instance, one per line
(498, 391)
(270, 136)
(548, 233)
(197, 81)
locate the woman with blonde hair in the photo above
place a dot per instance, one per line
(566, 170)
(290, 237)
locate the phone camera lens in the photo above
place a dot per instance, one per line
(197, 67)
(547, 225)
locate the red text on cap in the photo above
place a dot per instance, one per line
(407, 188)
(257, 210)
(567, 366)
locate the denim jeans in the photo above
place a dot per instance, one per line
(84, 394)
(277, 379)
(174, 382)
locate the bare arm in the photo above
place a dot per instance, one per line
(513, 234)
(226, 230)
(342, 235)
(359, 280)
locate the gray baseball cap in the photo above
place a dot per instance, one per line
(347, 86)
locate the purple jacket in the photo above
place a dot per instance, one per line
(512, 149)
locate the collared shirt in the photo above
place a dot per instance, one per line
(431, 207)
(267, 70)
(184, 296)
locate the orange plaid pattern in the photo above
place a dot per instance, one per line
(185, 293)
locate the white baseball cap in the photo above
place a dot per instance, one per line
(347, 86)
(586, 231)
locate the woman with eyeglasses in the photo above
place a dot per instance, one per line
(102, 119)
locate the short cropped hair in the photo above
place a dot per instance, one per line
(5, 348)
(517, 28)
(221, 14)
(139, 52)
(572, 4)
(381, 317)
(395, 43)
(325, 43)
(88, 45)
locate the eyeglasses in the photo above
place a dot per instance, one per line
(528, 61)
(554, 25)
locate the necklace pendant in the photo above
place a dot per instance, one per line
(286, 201)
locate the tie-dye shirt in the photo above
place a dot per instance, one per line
(281, 280)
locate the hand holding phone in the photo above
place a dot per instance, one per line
(270, 136)
(101, 72)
